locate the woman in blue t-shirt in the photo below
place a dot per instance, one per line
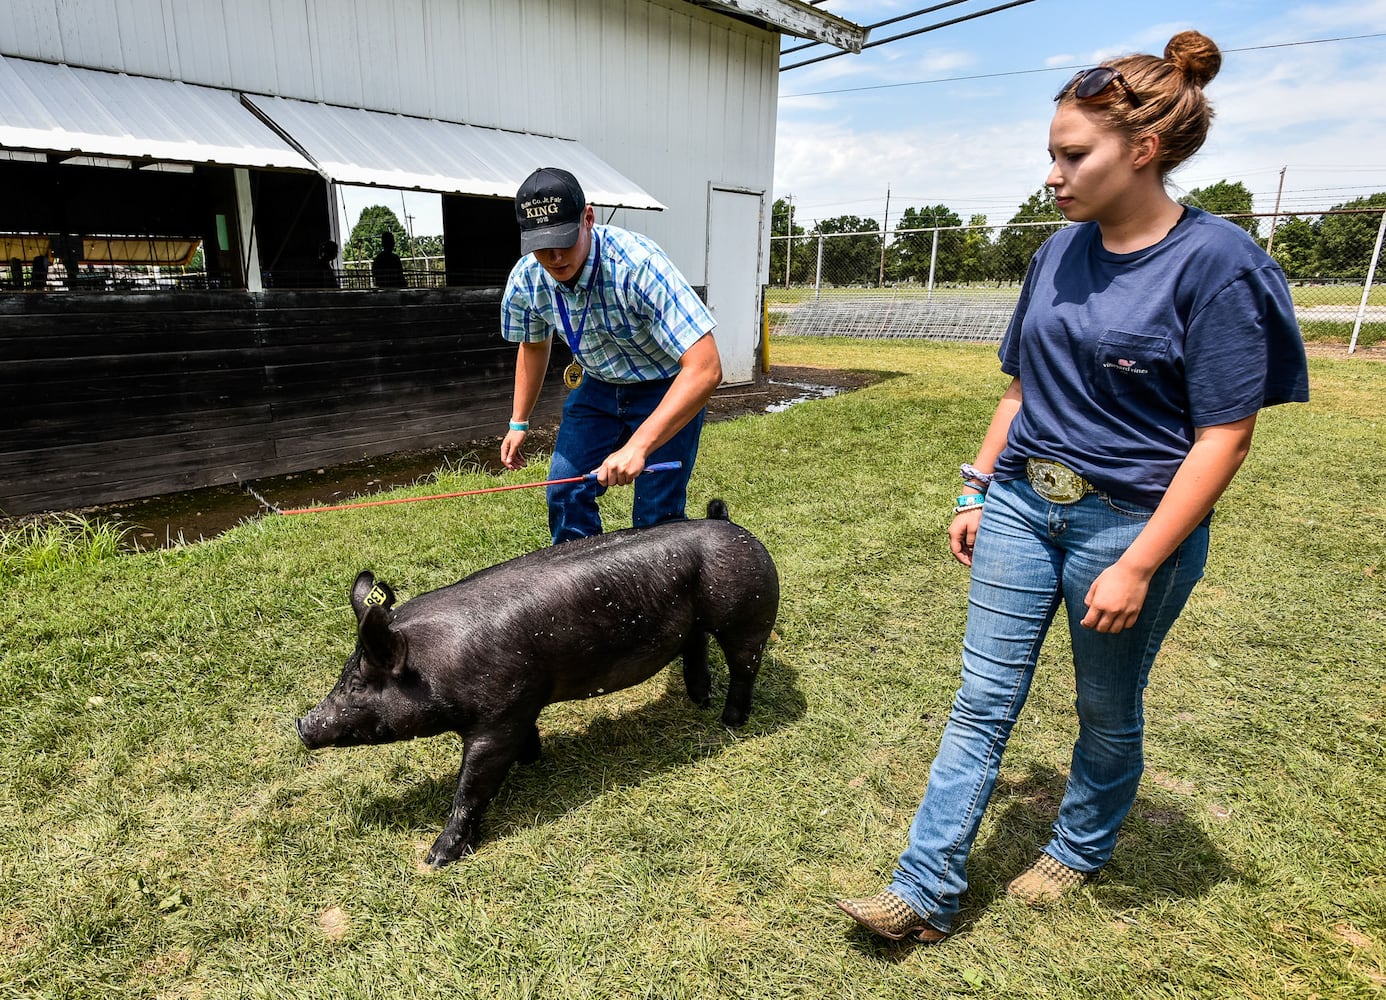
(1145, 341)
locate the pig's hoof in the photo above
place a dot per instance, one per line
(443, 854)
(734, 718)
(531, 750)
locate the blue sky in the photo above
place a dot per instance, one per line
(960, 116)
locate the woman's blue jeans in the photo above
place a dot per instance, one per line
(599, 417)
(1029, 555)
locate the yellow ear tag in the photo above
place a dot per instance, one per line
(376, 596)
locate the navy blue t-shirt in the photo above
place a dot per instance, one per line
(1121, 356)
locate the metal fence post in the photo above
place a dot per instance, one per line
(1367, 286)
(933, 259)
(818, 273)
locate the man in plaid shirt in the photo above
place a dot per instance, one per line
(644, 359)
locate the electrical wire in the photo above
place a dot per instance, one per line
(1055, 69)
(880, 24)
(911, 34)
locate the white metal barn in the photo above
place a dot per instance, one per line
(665, 109)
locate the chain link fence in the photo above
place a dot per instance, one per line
(962, 283)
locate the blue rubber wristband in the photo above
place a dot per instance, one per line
(972, 501)
(519, 425)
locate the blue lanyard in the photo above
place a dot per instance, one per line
(575, 338)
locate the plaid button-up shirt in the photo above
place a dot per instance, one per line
(641, 313)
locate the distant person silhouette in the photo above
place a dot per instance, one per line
(327, 270)
(387, 270)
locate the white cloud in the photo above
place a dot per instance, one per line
(978, 145)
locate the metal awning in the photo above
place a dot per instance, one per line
(376, 148)
(62, 109)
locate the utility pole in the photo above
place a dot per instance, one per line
(1275, 216)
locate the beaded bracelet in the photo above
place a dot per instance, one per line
(519, 425)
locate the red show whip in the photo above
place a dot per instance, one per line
(591, 476)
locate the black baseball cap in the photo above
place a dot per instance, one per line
(548, 208)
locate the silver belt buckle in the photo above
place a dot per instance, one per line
(1055, 481)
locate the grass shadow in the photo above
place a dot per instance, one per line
(619, 749)
(1161, 855)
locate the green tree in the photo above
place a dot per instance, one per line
(1018, 243)
(426, 246)
(803, 262)
(1296, 247)
(364, 242)
(975, 257)
(1346, 241)
(911, 251)
(851, 259)
(1223, 198)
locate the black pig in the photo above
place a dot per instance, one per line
(483, 656)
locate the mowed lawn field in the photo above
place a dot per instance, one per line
(163, 833)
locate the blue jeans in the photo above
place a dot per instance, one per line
(1029, 555)
(599, 417)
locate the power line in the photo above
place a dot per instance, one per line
(1048, 69)
(880, 24)
(911, 34)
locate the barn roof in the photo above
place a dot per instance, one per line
(357, 146)
(127, 120)
(63, 109)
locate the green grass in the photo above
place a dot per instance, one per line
(62, 540)
(163, 833)
(1318, 331)
(1347, 295)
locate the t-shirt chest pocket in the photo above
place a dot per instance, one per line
(1128, 363)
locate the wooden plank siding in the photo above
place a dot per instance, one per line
(107, 397)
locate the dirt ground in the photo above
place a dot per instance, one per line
(1377, 352)
(200, 514)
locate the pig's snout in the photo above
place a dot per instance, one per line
(311, 734)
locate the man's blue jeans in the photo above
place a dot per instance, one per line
(1031, 554)
(599, 417)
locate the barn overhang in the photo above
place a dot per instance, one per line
(795, 18)
(99, 118)
(131, 121)
(380, 149)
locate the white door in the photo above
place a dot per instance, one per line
(733, 278)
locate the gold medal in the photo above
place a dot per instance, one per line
(572, 375)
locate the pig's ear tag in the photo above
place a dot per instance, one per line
(377, 596)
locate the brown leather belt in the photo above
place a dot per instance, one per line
(1055, 481)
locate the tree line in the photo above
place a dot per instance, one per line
(1315, 247)
(364, 242)
(1324, 246)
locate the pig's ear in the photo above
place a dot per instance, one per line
(367, 593)
(385, 648)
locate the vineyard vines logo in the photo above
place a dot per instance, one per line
(1126, 367)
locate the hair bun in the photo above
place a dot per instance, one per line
(1195, 55)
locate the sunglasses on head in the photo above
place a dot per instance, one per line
(1091, 82)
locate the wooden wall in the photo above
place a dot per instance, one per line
(106, 397)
